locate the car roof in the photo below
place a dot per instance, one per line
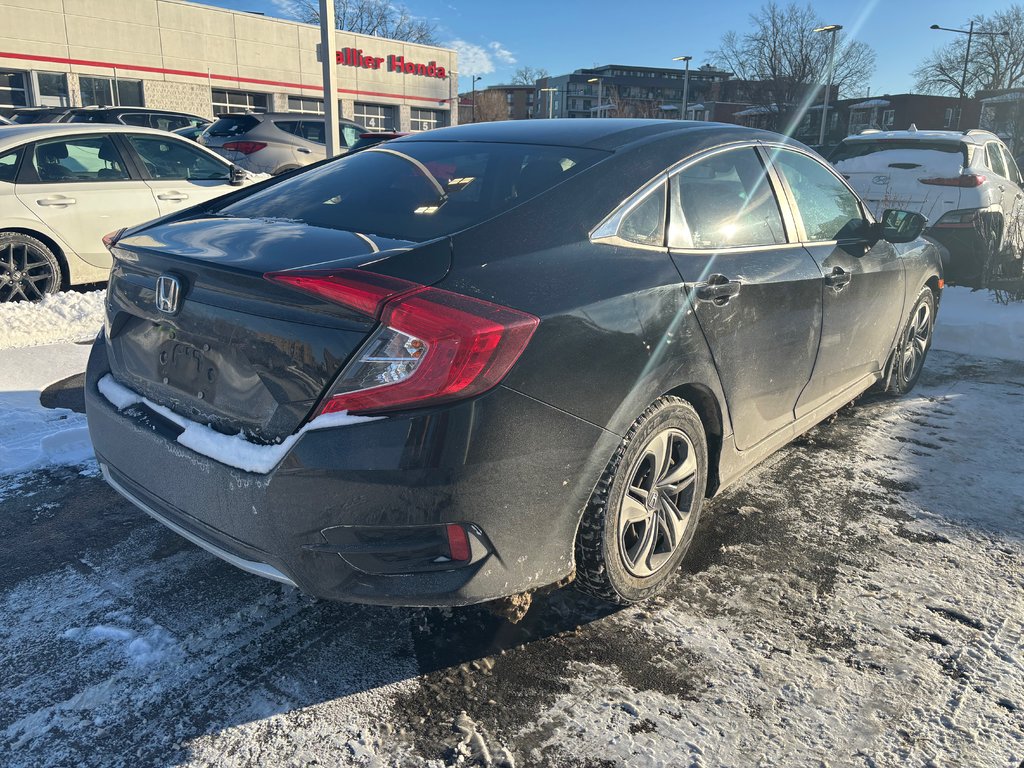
(608, 133)
(147, 110)
(12, 135)
(969, 137)
(282, 116)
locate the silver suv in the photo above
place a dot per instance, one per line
(274, 142)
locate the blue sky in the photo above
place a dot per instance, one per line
(562, 35)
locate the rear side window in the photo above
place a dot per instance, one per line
(136, 118)
(725, 201)
(829, 210)
(994, 159)
(1013, 172)
(88, 117)
(232, 125)
(645, 224)
(9, 166)
(428, 189)
(86, 158)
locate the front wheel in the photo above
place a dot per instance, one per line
(644, 511)
(914, 344)
(28, 269)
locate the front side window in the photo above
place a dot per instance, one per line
(724, 201)
(829, 210)
(381, 193)
(9, 166)
(645, 224)
(90, 158)
(173, 159)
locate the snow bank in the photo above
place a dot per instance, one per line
(974, 323)
(69, 316)
(233, 450)
(931, 161)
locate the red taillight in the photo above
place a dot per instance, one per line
(364, 292)
(245, 147)
(432, 346)
(964, 180)
(458, 542)
(111, 238)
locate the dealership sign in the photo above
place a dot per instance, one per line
(353, 57)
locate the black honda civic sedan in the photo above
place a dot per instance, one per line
(490, 358)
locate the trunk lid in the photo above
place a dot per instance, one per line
(242, 353)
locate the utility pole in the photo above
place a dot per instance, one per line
(833, 28)
(686, 83)
(330, 77)
(551, 100)
(967, 58)
(475, 78)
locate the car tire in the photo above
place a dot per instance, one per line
(914, 343)
(29, 270)
(630, 541)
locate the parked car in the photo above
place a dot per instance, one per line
(63, 187)
(374, 138)
(967, 184)
(489, 358)
(161, 119)
(33, 115)
(274, 142)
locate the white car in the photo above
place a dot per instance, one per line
(64, 186)
(966, 184)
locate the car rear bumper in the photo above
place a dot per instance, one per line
(356, 512)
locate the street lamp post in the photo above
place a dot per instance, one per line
(833, 28)
(686, 82)
(970, 32)
(332, 131)
(600, 94)
(551, 100)
(475, 78)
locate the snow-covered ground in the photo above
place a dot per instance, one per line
(857, 600)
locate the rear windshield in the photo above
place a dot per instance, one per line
(232, 125)
(88, 117)
(434, 188)
(885, 151)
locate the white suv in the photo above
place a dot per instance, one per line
(967, 184)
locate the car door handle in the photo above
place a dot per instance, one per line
(303, 150)
(176, 197)
(58, 201)
(838, 279)
(718, 290)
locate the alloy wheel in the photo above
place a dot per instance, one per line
(25, 273)
(656, 506)
(919, 332)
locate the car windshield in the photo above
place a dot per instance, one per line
(415, 190)
(882, 152)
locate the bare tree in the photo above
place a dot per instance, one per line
(374, 17)
(996, 62)
(491, 105)
(529, 75)
(786, 62)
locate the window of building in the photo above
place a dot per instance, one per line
(305, 105)
(888, 119)
(108, 92)
(376, 117)
(12, 89)
(52, 88)
(425, 119)
(952, 118)
(238, 102)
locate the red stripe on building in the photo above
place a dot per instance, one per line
(204, 75)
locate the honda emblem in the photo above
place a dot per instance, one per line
(168, 294)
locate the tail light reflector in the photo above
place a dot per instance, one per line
(432, 345)
(111, 238)
(458, 542)
(245, 147)
(964, 180)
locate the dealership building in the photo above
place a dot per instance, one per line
(182, 56)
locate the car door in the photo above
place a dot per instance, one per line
(82, 188)
(755, 290)
(179, 174)
(864, 283)
(1015, 212)
(1005, 189)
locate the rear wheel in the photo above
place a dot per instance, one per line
(28, 269)
(642, 516)
(914, 344)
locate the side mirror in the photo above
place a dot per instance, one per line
(238, 176)
(902, 226)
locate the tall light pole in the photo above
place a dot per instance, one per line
(475, 78)
(686, 81)
(833, 28)
(330, 73)
(551, 100)
(600, 94)
(967, 58)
